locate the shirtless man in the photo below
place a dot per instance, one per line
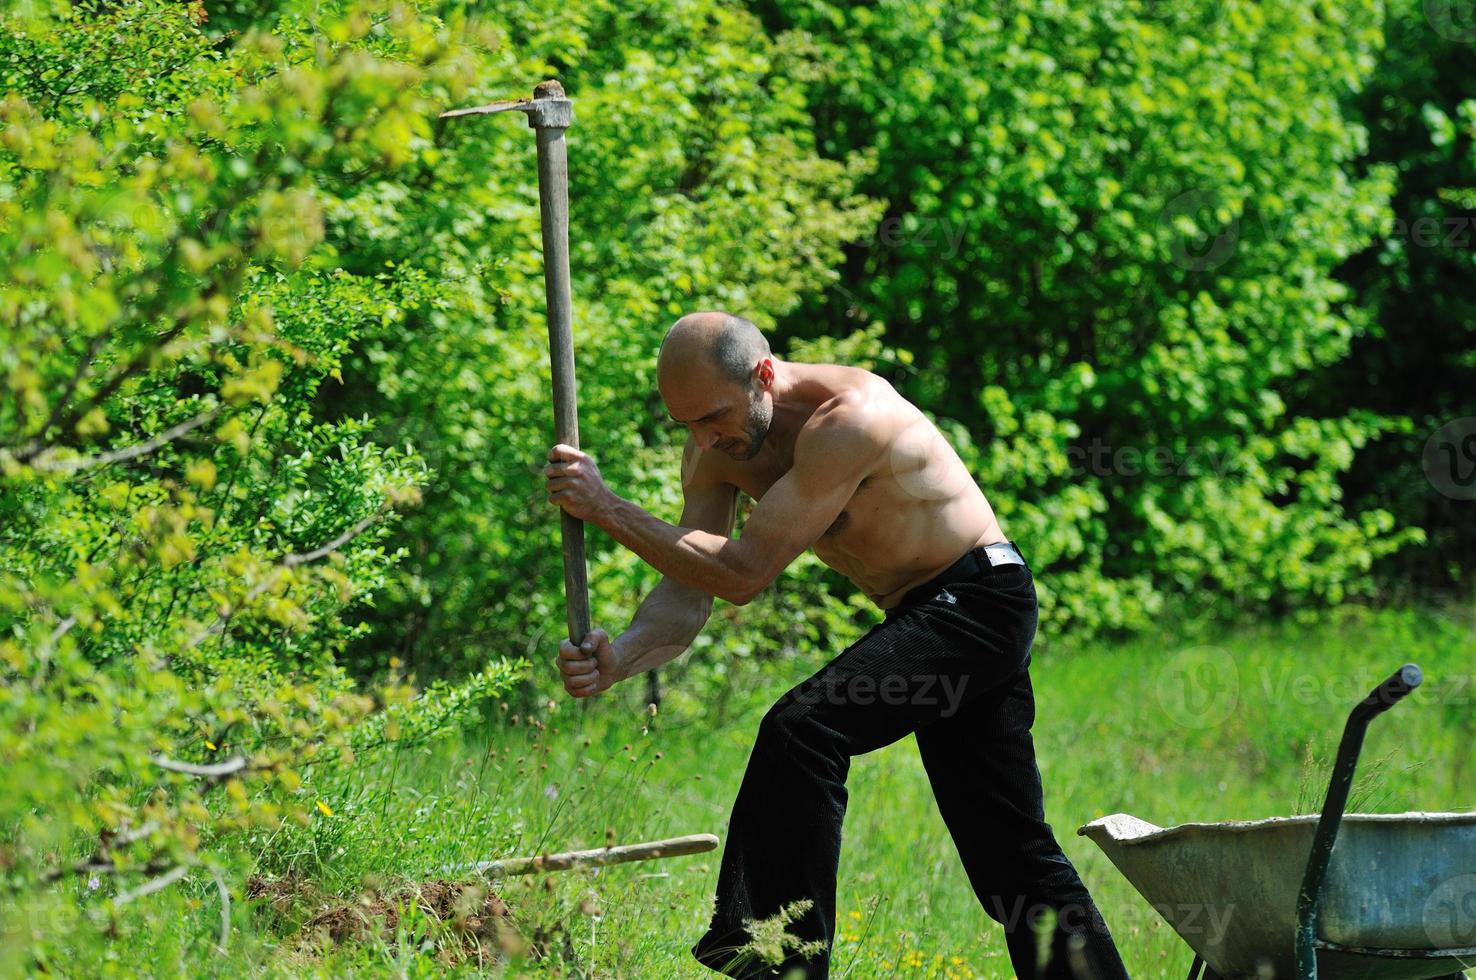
(841, 463)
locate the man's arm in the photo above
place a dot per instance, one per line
(671, 615)
(833, 453)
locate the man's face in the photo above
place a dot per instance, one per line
(760, 415)
(729, 417)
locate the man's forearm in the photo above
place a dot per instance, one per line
(645, 645)
(664, 625)
(709, 563)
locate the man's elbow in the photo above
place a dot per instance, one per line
(748, 575)
(743, 591)
(701, 612)
(737, 597)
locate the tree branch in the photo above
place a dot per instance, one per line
(213, 770)
(225, 909)
(43, 656)
(291, 560)
(96, 865)
(127, 452)
(153, 885)
(127, 837)
(94, 345)
(68, 419)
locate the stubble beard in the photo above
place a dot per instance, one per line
(760, 418)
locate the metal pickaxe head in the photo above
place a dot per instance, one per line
(548, 109)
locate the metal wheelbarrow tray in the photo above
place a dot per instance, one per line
(1378, 896)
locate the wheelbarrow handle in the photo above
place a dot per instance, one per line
(1379, 700)
(1390, 692)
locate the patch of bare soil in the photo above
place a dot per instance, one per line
(477, 923)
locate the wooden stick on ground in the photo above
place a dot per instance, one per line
(595, 857)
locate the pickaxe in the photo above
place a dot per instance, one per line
(550, 113)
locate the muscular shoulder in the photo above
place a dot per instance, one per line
(856, 424)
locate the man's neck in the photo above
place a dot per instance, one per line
(795, 399)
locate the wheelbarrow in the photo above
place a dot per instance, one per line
(1355, 896)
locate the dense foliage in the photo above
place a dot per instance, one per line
(1419, 279)
(695, 184)
(1110, 242)
(276, 385)
(180, 539)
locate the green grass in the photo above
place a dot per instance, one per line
(1146, 727)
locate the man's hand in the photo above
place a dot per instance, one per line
(575, 484)
(590, 667)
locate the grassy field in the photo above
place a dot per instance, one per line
(1169, 728)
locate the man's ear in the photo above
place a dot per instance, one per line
(764, 372)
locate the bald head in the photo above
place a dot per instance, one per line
(727, 344)
(714, 377)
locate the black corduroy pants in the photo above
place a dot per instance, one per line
(950, 665)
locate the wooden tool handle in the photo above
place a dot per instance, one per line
(553, 197)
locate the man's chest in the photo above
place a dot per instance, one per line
(862, 516)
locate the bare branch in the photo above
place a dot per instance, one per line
(225, 909)
(94, 345)
(93, 866)
(127, 837)
(212, 770)
(43, 656)
(153, 885)
(290, 560)
(127, 452)
(96, 865)
(62, 629)
(139, 362)
(594, 857)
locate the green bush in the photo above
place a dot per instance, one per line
(1110, 242)
(277, 402)
(180, 540)
(1418, 278)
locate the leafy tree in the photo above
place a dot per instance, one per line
(1418, 355)
(180, 540)
(1110, 239)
